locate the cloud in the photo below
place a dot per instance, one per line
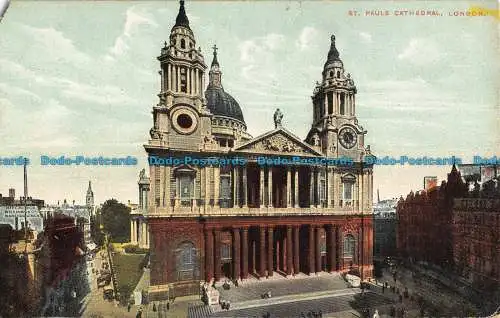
(306, 37)
(252, 50)
(420, 52)
(51, 42)
(133, 20)
(365, 37)
(14, 90)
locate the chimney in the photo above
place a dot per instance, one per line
(12, 193)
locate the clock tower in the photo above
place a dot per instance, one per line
(335, 130)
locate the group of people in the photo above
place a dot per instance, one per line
(225, 304)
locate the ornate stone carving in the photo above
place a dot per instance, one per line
(155, 134)
(278, 143)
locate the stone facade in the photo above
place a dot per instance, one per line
(214, 222)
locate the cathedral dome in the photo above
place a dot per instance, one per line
(221, 103)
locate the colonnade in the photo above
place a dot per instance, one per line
(139, 232)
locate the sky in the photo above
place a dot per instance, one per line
(81, 78)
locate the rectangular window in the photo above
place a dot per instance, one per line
(348, 191)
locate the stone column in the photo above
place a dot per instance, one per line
(262, 188)
(244, 253)
(132, 231)
(332, 248)
(216, 187)
(236, 253)
(139, 234)
(188, 81)
(340, 248)
(311, 189)
(270, 187)
(148, 243)
(178, 79)
(206, 187)
(288, 187)
(310, 252)
(162, 78)
(325, 105)
(318, 250)
(296, 250)
(262, 251)
(360, 241)
(329, 191)
(166, 186)
(296, 190)
(317, 188)
(270, 251)
(168, 77)
(194, 202)
(354, 104)
(209, 254)
(289, 253)
(245, 188)
(217, 257)
(236, 187)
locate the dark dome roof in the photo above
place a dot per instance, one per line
(221, 103)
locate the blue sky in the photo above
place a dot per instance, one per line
(82, 77)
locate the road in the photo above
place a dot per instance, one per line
(94, 304)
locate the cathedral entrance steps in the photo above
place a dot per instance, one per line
(288, 299)
(279, 286)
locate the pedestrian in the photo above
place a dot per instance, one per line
(383, 289)
(128, 307)
(154, 307)
(168, 305)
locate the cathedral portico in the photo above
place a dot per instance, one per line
(272, 215)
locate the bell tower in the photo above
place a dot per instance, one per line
(335, 130)
(181, 111)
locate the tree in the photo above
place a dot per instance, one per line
(116, 220)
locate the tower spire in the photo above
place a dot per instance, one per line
(215, 75)
(182, 19)
(333, 54)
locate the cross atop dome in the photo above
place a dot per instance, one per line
(214, 61)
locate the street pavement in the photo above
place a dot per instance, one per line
(95, 306)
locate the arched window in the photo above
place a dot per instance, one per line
(338, 74)
(349, 246)
(183, 44)
(186, 261)
(331, 73)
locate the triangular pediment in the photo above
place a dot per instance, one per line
(278, 141)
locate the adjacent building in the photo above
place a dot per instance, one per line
(424, 232)
(13, 212)
(139, 228)
(384, 227)
(229, 220)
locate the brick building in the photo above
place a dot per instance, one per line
(214, 222)
(424, 219)
(476, 240)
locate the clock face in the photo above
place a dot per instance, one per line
(348, 137)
